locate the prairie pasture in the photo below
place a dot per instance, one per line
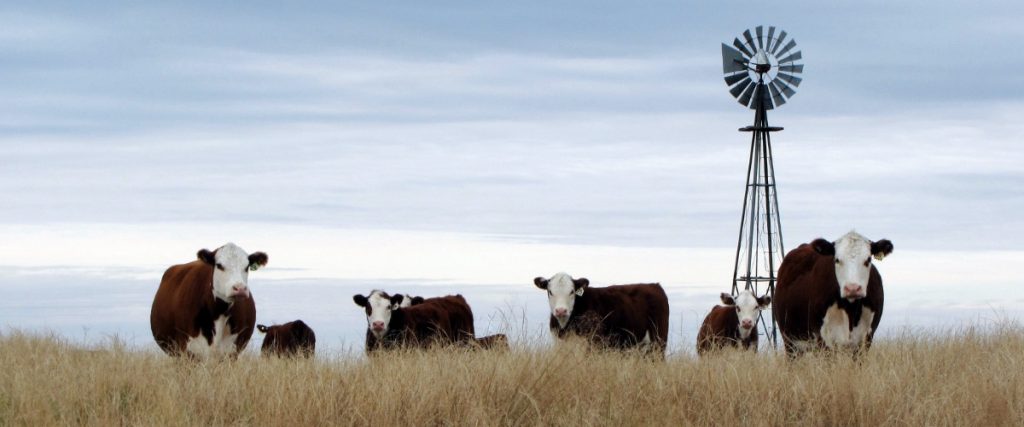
(966, 376)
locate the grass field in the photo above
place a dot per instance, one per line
(963, 377)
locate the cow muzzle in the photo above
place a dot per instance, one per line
(747, 324)
(377, 327)
(853, 291)
(239, 291)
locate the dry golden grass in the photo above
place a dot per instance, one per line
(964, 377)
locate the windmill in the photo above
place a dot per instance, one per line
(761, 72)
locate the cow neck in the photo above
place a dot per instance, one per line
(583, 303)
(397, 322)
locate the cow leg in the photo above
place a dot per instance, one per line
(860, 336)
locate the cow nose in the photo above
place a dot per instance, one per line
(240, 290)
(853, 289)
(378, 325)
(747, 324)
(560, 312)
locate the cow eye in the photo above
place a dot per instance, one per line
(837, 261)
(867, 261)
(220, 266)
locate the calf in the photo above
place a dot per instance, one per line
(204, 308)
(734, 324)
(493, 342)
(620, 316)
(290, 339)
(829, 294)
(440, 321)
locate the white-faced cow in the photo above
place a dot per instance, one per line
(620, 316)
(829, 294)
(434, 321)
(733, 324)
(290, 339)
(204, 308)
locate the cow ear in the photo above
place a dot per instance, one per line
(824, 247)
(361, 300)
(257, 260)
(417, 300)
(881, 249)
(727, 299)
(262, 328)
(396, 300)
(540, 282)
(764, 302)
(580, 284)
(205, 255)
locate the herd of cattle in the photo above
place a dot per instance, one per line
(827, 295)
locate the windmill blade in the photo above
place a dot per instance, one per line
(782, 37)
(795, 56)
(768, 41)
(732, 60)
(776, 96)
(786, 90)
(750, 39)
(787, 48)
(793, 68)
(745, 97)
(760, 37)
(739, 88)
(789, 78)
(731, 79)
(742, 48)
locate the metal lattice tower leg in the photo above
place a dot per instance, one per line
(759, 248)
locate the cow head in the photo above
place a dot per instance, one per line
(231, 267)
(378, 306)
(562, 293)
(852, 254)
(747, 309)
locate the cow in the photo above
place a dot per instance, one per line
(435, 321)
(290, 339)
(829, 295)
(493, 342)
(204, 309)
(379, 314)
(733, 324)
(621, 316)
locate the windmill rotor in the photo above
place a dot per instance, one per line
(767, 57)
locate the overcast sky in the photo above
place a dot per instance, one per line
(559, 122)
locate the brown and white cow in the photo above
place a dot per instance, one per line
(829, 294)
(435, 321)
(733, 324)
(294, 338)
(620, 316)
(204, 308)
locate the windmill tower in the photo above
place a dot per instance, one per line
(761, 74)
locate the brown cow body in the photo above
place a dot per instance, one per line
(721, 329)
(290, 339)
(493, 342)
(436, 321)
(619, 316)
(187, 319)
(810, 309)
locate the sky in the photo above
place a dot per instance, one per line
(599, 134)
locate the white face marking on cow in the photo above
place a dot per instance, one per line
(853, 265)
(561, 297)
(747, 310)
(230, 273)
(380, 313)
(406, 302)
(223, 342)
